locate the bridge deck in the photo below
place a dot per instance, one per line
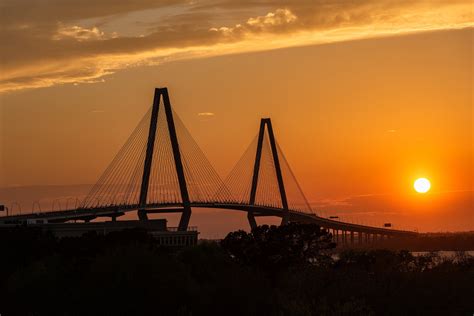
(116, 211)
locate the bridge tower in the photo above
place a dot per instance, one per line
(267, 123)
(162, 94)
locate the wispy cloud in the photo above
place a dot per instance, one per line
(265, 23)
(80, 34)
(206, 114)
(84, 40)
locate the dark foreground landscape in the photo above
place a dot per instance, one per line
(288, 270)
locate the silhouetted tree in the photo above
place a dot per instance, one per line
(277, 247)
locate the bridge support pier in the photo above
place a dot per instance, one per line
(142, 215)
(185, 218)
(352, 237)
(251, 219)
(285, 219)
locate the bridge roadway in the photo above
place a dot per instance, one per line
(117, 211)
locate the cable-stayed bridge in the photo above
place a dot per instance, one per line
(161, 169)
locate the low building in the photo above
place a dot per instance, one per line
(166, 236)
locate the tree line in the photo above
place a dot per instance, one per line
(288, 270)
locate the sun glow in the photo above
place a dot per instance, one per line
(422, 185)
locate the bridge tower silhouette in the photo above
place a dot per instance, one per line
(266, 122)
(162, 93)
(153, 172)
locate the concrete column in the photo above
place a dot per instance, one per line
(251, 219)
(352, 237)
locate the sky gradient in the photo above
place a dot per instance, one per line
(365, 97)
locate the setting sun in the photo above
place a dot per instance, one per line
(422, 185)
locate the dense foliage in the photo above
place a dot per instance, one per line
(273, 248)
(249, 274)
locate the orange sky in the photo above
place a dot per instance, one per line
(364, 98)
